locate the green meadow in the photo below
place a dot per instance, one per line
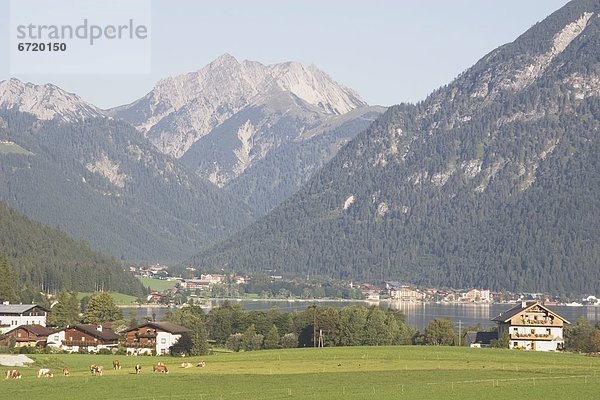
(119, 298)
(400, 372)
(13, 148)
(157, 284)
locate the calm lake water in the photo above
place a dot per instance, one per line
(417, 314)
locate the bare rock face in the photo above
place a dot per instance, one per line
(181, 110)
(231, 119)
(46, 102)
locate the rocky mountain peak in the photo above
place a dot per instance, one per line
(182, 109)
(46, 102)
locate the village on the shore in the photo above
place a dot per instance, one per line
(221, 285)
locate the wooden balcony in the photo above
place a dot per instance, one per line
(87, 343)
(531, 336)
(537, 322)
(137, 345)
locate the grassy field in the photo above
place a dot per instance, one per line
(405, 372)
(157, 284)
(119, 298)
(13, 148)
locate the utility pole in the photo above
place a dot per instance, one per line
(459, 332)
(314, 325)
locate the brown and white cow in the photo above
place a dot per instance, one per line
(138, 368)
(186, 365)
(201, 364)
(97, 369)
(160, 367)
(13, 374)
(116, 364)
(44, 373)
(66, 372)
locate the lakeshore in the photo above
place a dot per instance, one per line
(418, 314)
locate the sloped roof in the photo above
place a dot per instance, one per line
(105, 334)
(18, 308)
(481, 337)
(521, 307)
(162, 326)
(37, 330)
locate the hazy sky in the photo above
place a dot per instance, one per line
(388, 51)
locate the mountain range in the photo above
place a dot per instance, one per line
(491, 181)
(259, 131)
(142, 182)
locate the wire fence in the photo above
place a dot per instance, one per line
(396, 390)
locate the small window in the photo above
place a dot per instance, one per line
(515, 344)
(56, 338)
(163, 341)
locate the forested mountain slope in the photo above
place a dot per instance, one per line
(47, 260)
(99, 180)
(491, 181)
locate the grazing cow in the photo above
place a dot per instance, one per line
(66, 371)
(44, 373)
(201, 364)
(116, 364)
(160, 367)
(138, 368)
(97, 369)
(13, 374)
(186, 365)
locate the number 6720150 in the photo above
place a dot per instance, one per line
(35, 46)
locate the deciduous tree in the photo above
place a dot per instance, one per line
(439, 331)
(101, 308)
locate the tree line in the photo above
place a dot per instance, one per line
(229, 326)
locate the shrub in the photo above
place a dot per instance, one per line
(289, 341)
(234, 342)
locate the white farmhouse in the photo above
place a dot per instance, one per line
(14, 315)
(532, 326)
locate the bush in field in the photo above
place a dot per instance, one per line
(289, 341)
(234, 342)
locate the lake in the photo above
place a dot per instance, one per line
(417, 314)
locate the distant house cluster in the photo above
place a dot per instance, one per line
(26, 325)
(404, 292)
